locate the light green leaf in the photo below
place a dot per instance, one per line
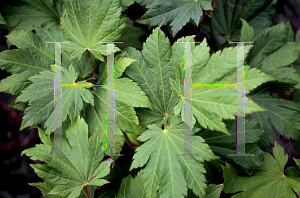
(247, 33)
(120, 65)
(41, 101)
(177, 11)
(213, 191)
(156, 65)
(80, 164)
(270, 181)
(164, 171)
(127, 3)
(45, 13)
(86, 23)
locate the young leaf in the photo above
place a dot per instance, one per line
(86, 23)
(247, 33)
(177, 11)
(270, 181)
(80, 164)
(164, 171)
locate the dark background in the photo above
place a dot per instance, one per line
(15, 171)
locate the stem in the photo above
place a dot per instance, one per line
(167, 125)
(86, 190)
(213, 7)
(213, 34)
(94, 71)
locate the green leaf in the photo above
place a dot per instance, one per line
(284, 56)
(285, 120)
(120, 65)
(41, 101)
(80, 164)
(155, 66)
(213, 191)
(2, 21)
(86, 23)
(222, 144)
(247, 33)
(130, 35)
(45, 13)
(178, 11)
(127, 3)
(164, 171)
(270, 181)
(227, 15)
(267, 42)
(132, 188)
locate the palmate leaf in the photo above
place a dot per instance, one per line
(227, 14)
(87, 22)
(45, 13)
(178, 11)
(164, 171)
(41, 101)
(269, 181)
(156, 67)
(80, 164)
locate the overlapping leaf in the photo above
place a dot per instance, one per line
(80, 165)
(270, 180)
(41, 101)
(222, 145)
(45, 13)
(86, 23)
(2, 21)
(227, 14)
(178, 11)
(157, 63)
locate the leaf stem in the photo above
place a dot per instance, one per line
(94, 71)
(86, 190)
(213, 34)
(167, 125)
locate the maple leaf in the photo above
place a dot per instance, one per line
(270, 180)
(164, 171)
(80, 165)
(178, 11)
(41, 101)
(86, 23)
(154, 71)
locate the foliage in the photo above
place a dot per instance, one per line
(150, 97)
